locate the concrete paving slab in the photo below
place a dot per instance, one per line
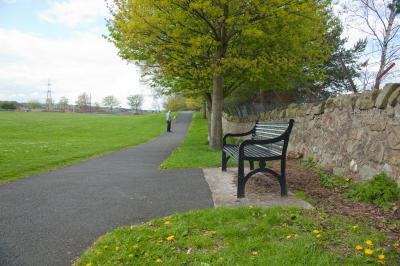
(223, 189)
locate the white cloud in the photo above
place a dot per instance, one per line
(84, 63)
(73, 13)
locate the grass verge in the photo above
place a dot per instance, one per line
(242, 236)
(194, 151)
(304, 196)
(31, 143)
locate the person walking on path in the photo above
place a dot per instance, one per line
(169, 120)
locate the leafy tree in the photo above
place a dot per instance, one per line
(175, 103)
(83, 102)
(193, 104)
(7, 105)
(341, 69)
(34, 104)
(135, 101)
(49, 104)
(227, 44)
(110, 101)
(63, 103)
(380, 22)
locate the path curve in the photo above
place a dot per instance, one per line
(50, 219)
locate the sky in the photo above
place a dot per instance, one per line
(61, 41)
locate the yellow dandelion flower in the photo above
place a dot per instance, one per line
(369, 242)
(170, 238)
(130, 255)
(315, 232)
(167, 222)
(289, 237)
(88, 264)
(359, 247)
(116, 248)
(318, 236)
(254, 253)
(158, 260)
(368, 251)
(381, 256)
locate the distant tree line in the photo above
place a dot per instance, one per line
(82, 104)
(8, 105)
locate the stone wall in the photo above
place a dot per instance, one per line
(350, 134)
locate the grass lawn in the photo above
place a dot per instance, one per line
(242, 236)
(31, 143)
(194, 151)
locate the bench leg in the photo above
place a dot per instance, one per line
(282, 179)
(224, 161)
(241, 180)
(251, 164)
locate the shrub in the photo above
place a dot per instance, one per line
(379, 190)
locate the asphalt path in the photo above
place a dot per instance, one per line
(50, 219)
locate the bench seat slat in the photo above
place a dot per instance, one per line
(256, 151)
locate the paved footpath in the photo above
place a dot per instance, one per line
(50, 219)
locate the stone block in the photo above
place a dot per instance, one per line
(394, 141)
(377, 152)
(350, 101)
(339, 171)
(393, 157)
(294, 155)
(291, 110)
(378, 124)
(367, 172)
(394, 138)
(387, 168)
(366, 100)
(383, 97)
(395, 97)
(353, 166)
(345, 102)
(329, 104)
(318, 109)
(301, 110)
(390, 111)
(397, 111)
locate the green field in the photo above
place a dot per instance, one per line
(31, 143)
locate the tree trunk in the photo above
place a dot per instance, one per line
(216, 114)
(348, 76)
(204, 110)
(385, 45)
(207, 96)
(217, 98)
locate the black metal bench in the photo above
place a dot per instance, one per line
(269, 142)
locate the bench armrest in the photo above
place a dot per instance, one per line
(284, 136)
(236, 135)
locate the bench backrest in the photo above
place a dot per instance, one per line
(270, 130)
